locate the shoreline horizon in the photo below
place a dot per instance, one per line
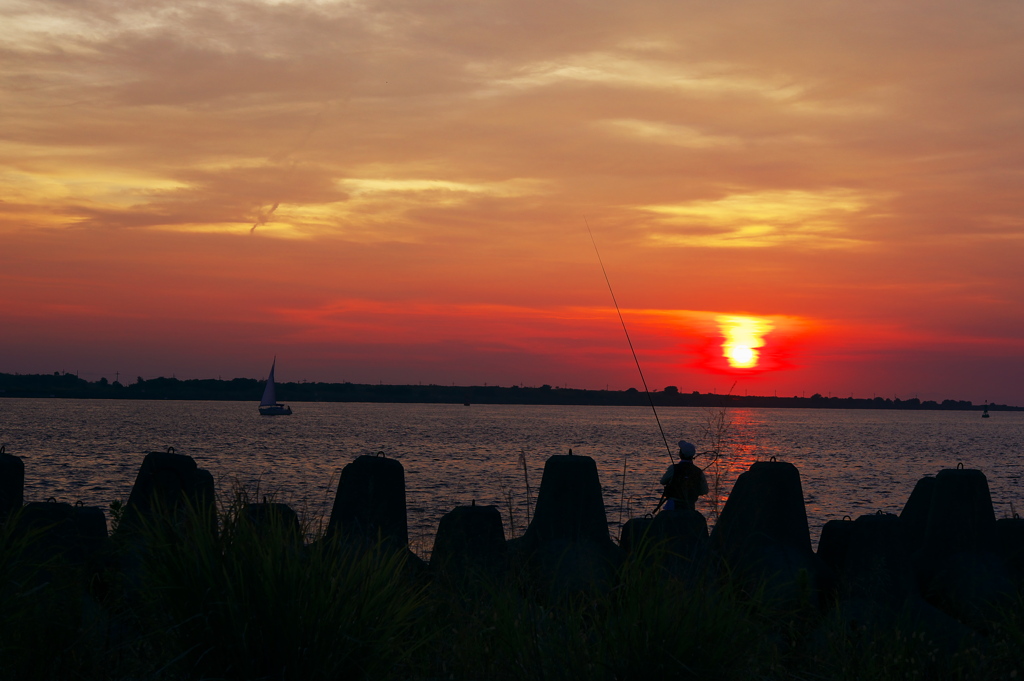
(68, 385)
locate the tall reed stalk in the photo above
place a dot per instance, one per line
(526, 478)
(714, 430)
(622, 492)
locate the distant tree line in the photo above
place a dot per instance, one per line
(67, 385)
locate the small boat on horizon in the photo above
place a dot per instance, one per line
(269, 405)
(984, 414)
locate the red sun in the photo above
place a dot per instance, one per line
(744, 346)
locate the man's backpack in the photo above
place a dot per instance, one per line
(685, 483)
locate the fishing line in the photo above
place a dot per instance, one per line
(628, 340)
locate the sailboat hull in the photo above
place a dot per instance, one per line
(275, 410)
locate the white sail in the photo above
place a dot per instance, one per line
(269, 394)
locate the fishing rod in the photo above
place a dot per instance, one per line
(629, 341)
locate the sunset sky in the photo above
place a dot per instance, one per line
(401, 191)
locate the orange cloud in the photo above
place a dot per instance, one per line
(850, 170)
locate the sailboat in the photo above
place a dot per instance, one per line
(269, 405)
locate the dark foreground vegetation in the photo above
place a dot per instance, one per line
(183, 590)
(249, 390)
(191, 597)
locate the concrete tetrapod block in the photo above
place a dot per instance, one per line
(686, 530)
(915, 513)
(53, 530)
(959, 567)
(834, 542)
(171, 485)
(762, 535)
(272, 519)
(766, 502)
(370, 503)
(677, 539)
(1010, 537)
(12, 483)
(960, 515)
(634, 533)
(470, 542)
(833, 548)
(878, 564)
(682, 537)
(567, 545)
(570, 504)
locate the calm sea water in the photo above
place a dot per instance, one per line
(851, 462)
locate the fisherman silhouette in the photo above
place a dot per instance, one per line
(684, 481)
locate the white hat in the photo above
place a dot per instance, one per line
(687, 450)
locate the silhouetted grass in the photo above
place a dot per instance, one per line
(202, 597)
(249, 602)
(898, 650)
